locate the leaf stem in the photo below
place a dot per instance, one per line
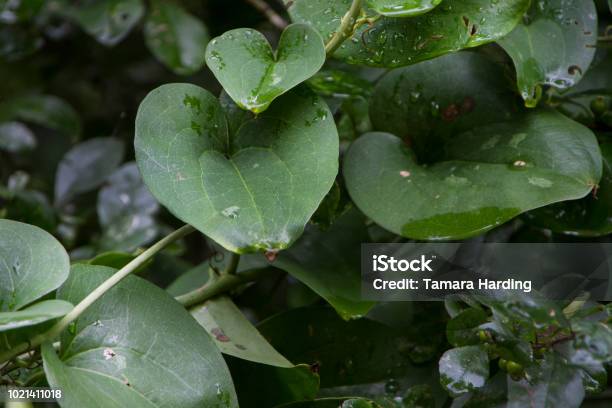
(59, 327)
(232, 265)
(272, 16)
(221, 284)
(347, 25)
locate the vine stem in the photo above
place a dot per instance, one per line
(272, 16)
(347, 25)
(104, 287)
(221, 284)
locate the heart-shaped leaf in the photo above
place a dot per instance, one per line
(395, 42)
(464, 369)
(176, 38)
(253, 74)
(554, 45)
(32, 264)
(402, 8)
(251, 192)
(491, 174)
(478, 163)
(137, 344)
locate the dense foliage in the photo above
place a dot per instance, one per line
(286, 145)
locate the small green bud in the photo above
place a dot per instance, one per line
(483, 336)
(502, 364)
(514, 368)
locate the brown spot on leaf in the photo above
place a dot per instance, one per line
(240, 347)
(450, 113)
(219, 335)
(574, 69)
(271, 255)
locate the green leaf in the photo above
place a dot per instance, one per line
(15, 137)
(47, 111)
(464, 369)
(329, 263)
(461, 330)
(554, 46)
(395, 42)
(37, 313)
(402, 8)
(253, 192)
(490, 174)
(589, 217)
(234, 334)
(552, 383)
(126, 211)
(85, 167)
(137, 344)
(32, 264)
(108, 21)
(253, 74)
(176, 38)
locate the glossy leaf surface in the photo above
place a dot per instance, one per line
(554, 45)
(251, 192)
(402, 8)
(138, 345)
(253, 74)
(395, 42)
